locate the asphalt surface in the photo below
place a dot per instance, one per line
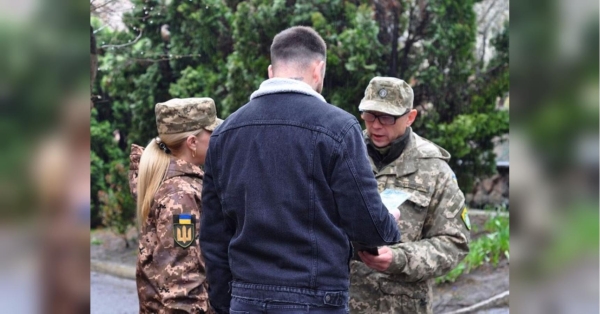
(495, 311)
(112, 295)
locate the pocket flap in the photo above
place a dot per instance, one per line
(419, 195)
(420, 198)
(401, 288)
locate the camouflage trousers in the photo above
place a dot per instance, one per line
(167, 311)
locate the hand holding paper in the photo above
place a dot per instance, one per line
(396, 213)
(392, 199)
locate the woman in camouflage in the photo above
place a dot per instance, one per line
(166, 179)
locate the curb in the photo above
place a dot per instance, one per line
(128, 272)
(495, 301)
(491, 213)
(115, 269)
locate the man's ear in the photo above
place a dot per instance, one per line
(270, 71)
(318, 72)
(412, 115)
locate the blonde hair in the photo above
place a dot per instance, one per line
(153, 167)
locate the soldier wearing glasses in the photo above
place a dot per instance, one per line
(434, 223)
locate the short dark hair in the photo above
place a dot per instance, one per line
(298, 44)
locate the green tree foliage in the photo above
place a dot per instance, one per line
(117, 206)
(220, 49)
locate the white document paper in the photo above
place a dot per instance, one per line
(392, 198)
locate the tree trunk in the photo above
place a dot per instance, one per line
(126, 242)
(394, 56)
(93, 58)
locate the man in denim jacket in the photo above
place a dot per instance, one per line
(287, 187)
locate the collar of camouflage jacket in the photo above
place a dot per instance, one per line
(285, 85)
(180, 167)
(385, 156)
(177, 167)
(135, 156)
(416, 149)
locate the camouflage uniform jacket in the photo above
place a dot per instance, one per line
(170, 278)
(434, 236)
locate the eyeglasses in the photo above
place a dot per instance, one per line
(384, 119)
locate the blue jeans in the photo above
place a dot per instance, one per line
(268, 299)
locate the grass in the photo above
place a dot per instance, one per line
(95, 241)
(488, 249)
(575, 238)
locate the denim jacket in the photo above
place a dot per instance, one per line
(287, 187)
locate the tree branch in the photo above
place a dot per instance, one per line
(101, 28)
(413, 37)
(394, 54)
(96, 7)
(166, 59)
(483, 47)
(424, 19)
(408, 43)
(152, 60)
(124, 45)
(484, 15)
(484, 33)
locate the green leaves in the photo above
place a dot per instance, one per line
(489, 248)
(220, 49)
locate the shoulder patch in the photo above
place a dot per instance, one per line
(184, 229)
(465, 217)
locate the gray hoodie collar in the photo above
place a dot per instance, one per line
(285, 85)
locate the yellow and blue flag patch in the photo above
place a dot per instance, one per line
(465, 217)
(185, 219)
(184, 229)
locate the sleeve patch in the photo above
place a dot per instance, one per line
(465, 217)
(184, 229)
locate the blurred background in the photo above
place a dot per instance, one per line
(77, 87)
(44, 162)
(554, 153)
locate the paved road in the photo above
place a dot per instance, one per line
(112, 295)
(495, 311)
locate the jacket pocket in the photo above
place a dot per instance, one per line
(413, 212)
(405, 299)
(419, 195)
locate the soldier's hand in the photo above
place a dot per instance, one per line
(380, 262)
(396, 213)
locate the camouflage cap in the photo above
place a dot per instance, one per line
(388, 95)
(186, 114)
